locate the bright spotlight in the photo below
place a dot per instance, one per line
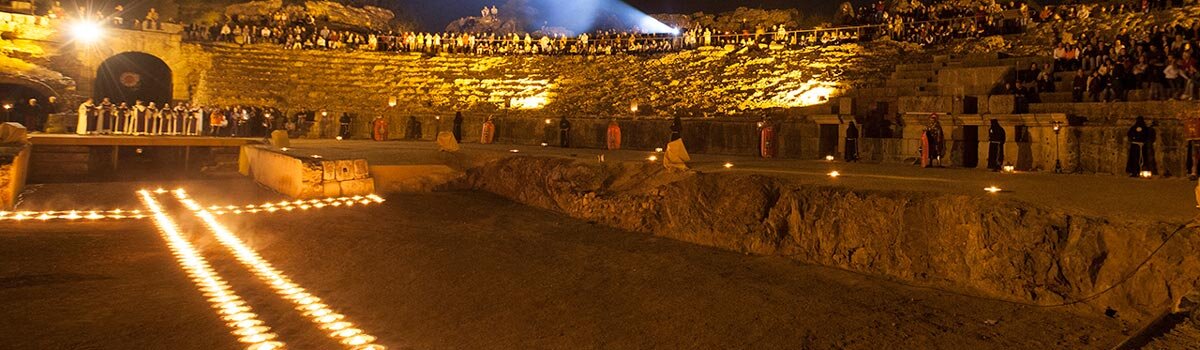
(86, 32)
(654, 26)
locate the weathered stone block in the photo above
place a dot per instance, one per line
(329, 170)
(359, 187)
(311, 190)
(928, 104)
(1005, 104)
(846, 105)
(362, 170)
(345, 170)
(974, 81)
(331, 189)
(311, 173)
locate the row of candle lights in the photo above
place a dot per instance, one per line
(136, 214)
(310, 306)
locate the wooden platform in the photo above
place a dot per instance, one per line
(146, 141)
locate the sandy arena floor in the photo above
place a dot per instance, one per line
(469, 271)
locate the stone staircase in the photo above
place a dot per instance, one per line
(939, 77)
(1062, 91)
(712, 82)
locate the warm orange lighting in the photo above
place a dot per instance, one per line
(243, 323)
(652, 158)
(992, 189)
(834, 174)
(306, 303)
(728, 165)
(71, 215)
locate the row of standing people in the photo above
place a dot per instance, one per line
(184, 119)
(1141, 137)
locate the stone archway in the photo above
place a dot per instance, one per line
(15, 93)
(133, 76)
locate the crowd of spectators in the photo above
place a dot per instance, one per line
(925, 25)
(1161, 61)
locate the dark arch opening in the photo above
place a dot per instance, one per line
(13, 97)
(133, 76)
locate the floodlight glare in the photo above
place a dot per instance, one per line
(86, 32)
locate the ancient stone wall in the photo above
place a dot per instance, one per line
(798, 137)
(989, 246)
(712, 82)
(14, 169)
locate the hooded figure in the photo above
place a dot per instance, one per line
(564, 132)
(676, 129)
(414, 129)
(1139, 134)
(1148, 154)
(34, 114)
(851, 154)
(458, 121)
(996, 138)
(344, 125)
(932, 140)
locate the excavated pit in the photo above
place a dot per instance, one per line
(979, 245)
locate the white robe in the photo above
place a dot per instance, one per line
(82, 127)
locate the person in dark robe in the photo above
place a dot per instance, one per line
(676, 129)
(119, 119)
(345, 122)
(100, 121)
(31, 113)
(279, 121)
(564, 132)
(996, 138)
(851, 153)
(458, 121)
(1151, 163)
(413, 131)
(155, 116)
(52, 107)
(106, 122)
(310, 121)
(936, 140)
(1138, 136)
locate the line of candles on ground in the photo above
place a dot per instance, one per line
(309, 305)
(72, 215)
(136, 214)
(287, 206)
(234, 311)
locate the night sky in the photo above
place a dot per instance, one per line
(435, 14)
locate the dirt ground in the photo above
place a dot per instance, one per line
(468, 270)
